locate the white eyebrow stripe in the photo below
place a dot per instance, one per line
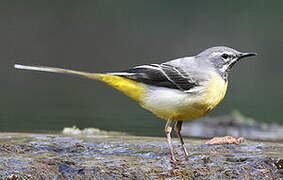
(224, 52)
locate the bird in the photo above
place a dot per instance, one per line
(178, 90)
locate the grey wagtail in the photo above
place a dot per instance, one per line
(181, 89)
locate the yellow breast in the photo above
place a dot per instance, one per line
(200, 105)
(216, 91)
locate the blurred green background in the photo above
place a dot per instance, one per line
(111, 35)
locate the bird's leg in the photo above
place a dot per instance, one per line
(168, 129)
(178, 128)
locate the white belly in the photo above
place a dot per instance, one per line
(170, 103)
(164, 99)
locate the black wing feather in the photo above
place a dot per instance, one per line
(159, 75)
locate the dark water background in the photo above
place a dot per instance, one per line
(110, 35)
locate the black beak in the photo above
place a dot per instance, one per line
(242, 55)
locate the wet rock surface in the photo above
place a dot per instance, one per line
(235, 125)
(102, 156)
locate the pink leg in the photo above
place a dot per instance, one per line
(178, 128)
(168, 129)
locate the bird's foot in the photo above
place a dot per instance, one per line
(187, 157)
(173, 159)
(175, 162)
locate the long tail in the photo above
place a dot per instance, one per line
(95, 76)
(131, 88)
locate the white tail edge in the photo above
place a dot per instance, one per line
(36, 68)
(58, 70)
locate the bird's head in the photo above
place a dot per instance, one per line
(223, 58)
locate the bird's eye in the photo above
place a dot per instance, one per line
(225, 56)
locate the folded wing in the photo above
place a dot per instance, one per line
(162, 75)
